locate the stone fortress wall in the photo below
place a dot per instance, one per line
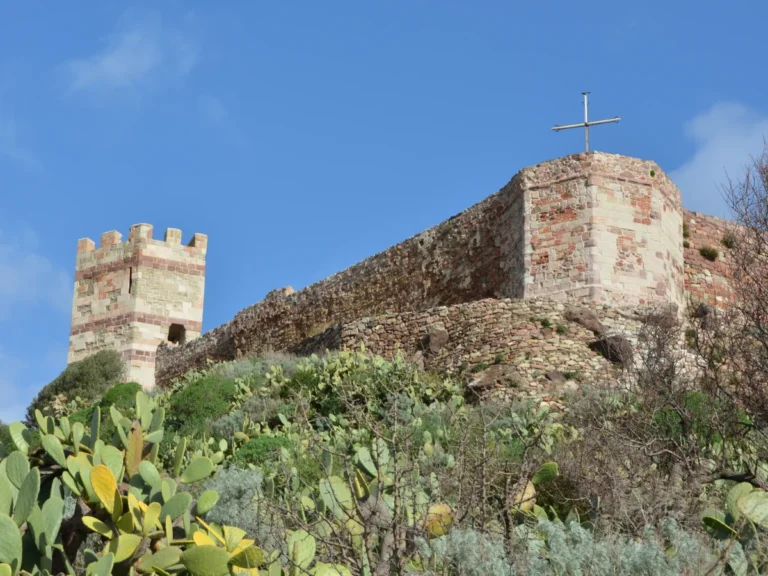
(132, 295)
(599, 229)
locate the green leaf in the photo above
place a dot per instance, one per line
(734, 494)
(302, 547)
(714, 520)
(53, 514)
(66, 428)
(102, 567)
(154, 437)
(206, 561)
(178, 458)
(251, 557)
(149, 473)
(200, 468)
(176, 506)
(78, 431)
(207, 501)
(546, 473)
(10, 543)
(336, 496)
(17, 468)
(133, 449)
(167, 489)
(95, 426)
(124, 546)
(323, 569)
(20, 436)
(754, 506)
(381, 452)
(6, 495)
(157, 419)
(364, 461)
(27, 498)
(55, 450)
(163, 558)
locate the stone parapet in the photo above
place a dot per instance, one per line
(132, 295)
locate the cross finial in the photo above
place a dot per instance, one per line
(586, 124)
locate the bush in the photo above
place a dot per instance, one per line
(237, 506)
(194, 406)
(122, 396)
(5, 438)
(88, 378)
(260, 449)
(709, 253)
(729, 241)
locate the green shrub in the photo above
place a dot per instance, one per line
(259, 450)
(729, 241)
(5, 439)
(561, 329)
(546, 323)
(686, 244)
(686, 230)
(88, 378)
(709, 253)
(237, 506)
(192, 408)
(122, 396)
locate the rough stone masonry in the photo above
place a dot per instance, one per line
(594, 228)
(130, 296)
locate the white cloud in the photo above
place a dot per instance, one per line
(29, 277)
(139, 48)
(726, 137)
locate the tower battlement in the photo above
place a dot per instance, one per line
(132, 295)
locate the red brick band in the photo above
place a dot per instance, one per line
(143, 355)
(135, 317)
(141, 261)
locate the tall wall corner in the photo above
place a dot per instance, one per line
(602, 228)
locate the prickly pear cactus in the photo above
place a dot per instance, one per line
(144, 522)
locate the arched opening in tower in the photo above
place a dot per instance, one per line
(177, 334)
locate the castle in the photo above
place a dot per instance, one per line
(603, 230)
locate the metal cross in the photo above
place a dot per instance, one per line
(586, 123)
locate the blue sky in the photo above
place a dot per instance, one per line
(304, 136)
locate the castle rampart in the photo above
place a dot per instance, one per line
(706, 280)
(132, 295)
(594, 228)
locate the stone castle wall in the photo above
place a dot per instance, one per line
(705, 280)
(128, 295)
(600, 229)
(461, 260)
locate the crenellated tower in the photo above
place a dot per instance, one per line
(131, 296)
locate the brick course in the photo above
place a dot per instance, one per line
(128, 294)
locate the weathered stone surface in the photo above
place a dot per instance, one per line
(616, 349)
(586, 317)
(707, 281)
(436, 338)
(555, 376)
(494, 377)
(599, 231)
(128, 295)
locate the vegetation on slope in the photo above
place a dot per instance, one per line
(350, 464)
